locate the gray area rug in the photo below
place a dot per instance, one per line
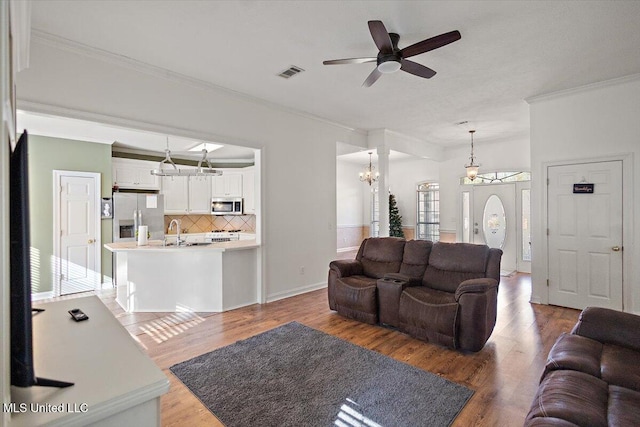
(297, 376)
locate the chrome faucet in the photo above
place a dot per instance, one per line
(177, 223)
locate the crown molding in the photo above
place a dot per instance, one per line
(61, 43)
(580, 89)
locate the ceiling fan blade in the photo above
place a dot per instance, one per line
(430, 44)
(349, 61)
(380, 36)
(417, 69)
(375, 75)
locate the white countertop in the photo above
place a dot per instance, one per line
(157, 245)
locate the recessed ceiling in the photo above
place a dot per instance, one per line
(124, 138)
(509, 51)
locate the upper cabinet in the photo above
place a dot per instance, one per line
(199, 194)
(134, 174)
(229, 184)
(176, 194)
(186, 194)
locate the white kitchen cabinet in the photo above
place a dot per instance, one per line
(186, 194)
(248, 190)
(176, 194)
(134, 174)
(229, 184)
(200, 194)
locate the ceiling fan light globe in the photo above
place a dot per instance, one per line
(389, 66)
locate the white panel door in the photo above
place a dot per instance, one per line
(585, 236)
(78, 235)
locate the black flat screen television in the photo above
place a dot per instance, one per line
(22, 370)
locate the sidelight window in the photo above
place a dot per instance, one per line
(375, 213)
(428, 212)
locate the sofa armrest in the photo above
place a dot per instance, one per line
(476, 286)
(609, 327)
(346, 267)
(478, 308)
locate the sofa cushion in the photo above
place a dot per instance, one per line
(576, 353)
(415, 258)
(624, 407)
(613, 364)
(429, 314)
(621, 366)
(452, 263)
(573, 396)
(382, 255)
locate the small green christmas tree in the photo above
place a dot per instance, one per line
(395, 219)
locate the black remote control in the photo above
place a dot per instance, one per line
(78, 315)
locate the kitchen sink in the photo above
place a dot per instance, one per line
(187, 244)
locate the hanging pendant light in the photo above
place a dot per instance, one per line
(368, 175)
(472, 168)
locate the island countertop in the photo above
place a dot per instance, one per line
(215, 277)
(157, 245)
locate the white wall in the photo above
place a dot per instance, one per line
(589, 123)
(299, 152)
(404, 176)
(505, 155)
(350, 192)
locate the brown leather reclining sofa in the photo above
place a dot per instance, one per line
(445, 293)
(592, 375)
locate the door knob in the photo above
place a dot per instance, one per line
(91, 241)
(616, 249)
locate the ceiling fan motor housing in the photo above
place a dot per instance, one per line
(390, 62)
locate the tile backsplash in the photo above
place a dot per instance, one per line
(207, 223)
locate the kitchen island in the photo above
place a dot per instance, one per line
(214, 277)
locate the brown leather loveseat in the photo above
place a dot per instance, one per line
(592, 375)
(445, 293)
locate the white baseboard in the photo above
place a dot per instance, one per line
(297, 291)
(38, 296)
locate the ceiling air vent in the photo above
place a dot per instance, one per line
(290, 72)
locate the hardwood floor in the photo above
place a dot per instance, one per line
(504, 375)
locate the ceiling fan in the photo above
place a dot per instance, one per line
(391, 59)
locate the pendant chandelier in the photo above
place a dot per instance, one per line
(368, 175)
(472, 168)
(204, 167)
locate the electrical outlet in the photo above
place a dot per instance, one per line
(302, 270)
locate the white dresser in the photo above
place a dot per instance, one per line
(116, 383)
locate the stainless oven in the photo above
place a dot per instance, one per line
(226, 206)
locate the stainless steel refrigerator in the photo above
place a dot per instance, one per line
(130, 210)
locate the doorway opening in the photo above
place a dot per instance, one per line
(495, 210)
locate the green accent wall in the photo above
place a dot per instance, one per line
(47, 154)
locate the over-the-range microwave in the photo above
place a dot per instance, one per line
(226, 206)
